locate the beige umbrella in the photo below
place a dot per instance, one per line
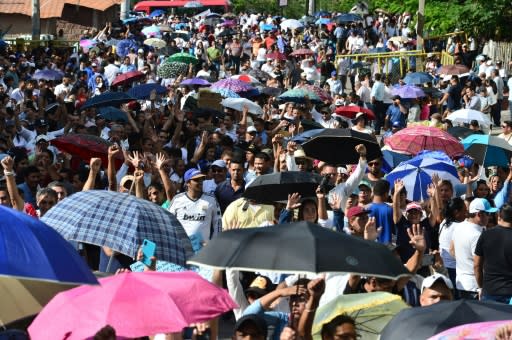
(155, 42)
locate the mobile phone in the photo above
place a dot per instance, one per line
(148, 251)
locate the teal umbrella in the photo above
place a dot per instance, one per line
(298, 95)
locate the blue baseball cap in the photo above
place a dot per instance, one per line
(481, 204)
(192, 174)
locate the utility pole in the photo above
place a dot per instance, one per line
(36, 20)
(421, 22)
(311, 9)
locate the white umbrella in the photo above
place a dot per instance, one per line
(239, 103)
(467, 115)
(291, 24)
(155, 42)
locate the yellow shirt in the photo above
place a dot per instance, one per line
(241, 215)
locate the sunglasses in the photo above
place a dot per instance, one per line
(373, 164)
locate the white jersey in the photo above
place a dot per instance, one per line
(200, 218)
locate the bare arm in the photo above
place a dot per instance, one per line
(94, 169)
(169, 187)
(139, 183)
(478, 267)
(16, 200)
(113, 150)
(201, 148)
(397, 213)
(316, 288)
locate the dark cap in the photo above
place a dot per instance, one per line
(258, 321)
(40, 122)
(356, 211)
(253, 148)
(261, 285)
(396, 97)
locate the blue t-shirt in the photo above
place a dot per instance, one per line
(383, 214)
(395, 115)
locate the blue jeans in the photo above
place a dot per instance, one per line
(497, 298)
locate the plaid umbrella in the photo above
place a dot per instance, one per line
(234, 85)
(127, 78)
(298, 95)
(418, 138)
(183, 57)
(48, 75)
(121, 222)
(302, 51)
(171, 69)
(324, 95)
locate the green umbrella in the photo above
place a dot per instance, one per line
(371, 312)
(171, 69)
(183, 57)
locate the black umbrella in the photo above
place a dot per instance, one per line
(270, 91)
(107, 99)
(347, 17)
(226, 33)
(337, 146)
(275, 187)
(424, 322)
(462, 132)
(300, 247)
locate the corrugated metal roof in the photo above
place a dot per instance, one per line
(51, 8)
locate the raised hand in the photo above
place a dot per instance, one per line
(361, 150)
(293, 201)
(95, 164)
(316, 287)
(336, 202)
(136, 159)
(371, 232)
(417, 238)
(113, 150)
(8, 163)
(399, 185)
(160, 160)
(288, 334)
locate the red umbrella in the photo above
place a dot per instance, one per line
(276, 56)
(86, 147)
(352, 110)
(453, 69)
(302, 51)
(127, 78)
(418, 138)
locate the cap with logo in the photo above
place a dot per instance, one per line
(261, 285)
(192, 174)
(40, 122)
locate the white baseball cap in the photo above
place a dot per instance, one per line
(430, 280)
(481, 204)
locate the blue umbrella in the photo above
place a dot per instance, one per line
(347, 17)
(181, 26)
(130, 20)
(112, 114)
(143, 91)
(156, 13)
(123, 47)
(268, 27)
(302, 137)
(391, 159)
(107, 99)
(408, 91)
(417, 175)
(120, 221)
(48, 75)
(323, 21)
(226, 93)
(322, 14)
(29, 249)
(418, 78)
(488, 150)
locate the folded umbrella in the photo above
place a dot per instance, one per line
(323, 146)
(467, 115)
(112, 114)
(107, 99)
(134, 304)
(275, 187)
(239, 104)
(417, 78)
(418, 138)
(121, 222)
(143, 91)
(408, 91)
(488, 150)
(35, 264)
(300, 247)
(370, 311)
(127, 78)
(424, 322)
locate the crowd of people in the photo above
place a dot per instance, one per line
(196, 162)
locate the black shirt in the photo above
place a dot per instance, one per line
(495, 247)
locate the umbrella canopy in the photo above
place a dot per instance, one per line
(467, 115)
(107, 99)
(270, 91)
(400, 39)
(143, 91)
(151, 31)
(246, 78)
(226, 93)
(35, 264)
(276, 56)
(127, 78)
(112, 114)
(302, 137)
(268, 27)
(300, 247)
(276, 187)
(195, 81)
(134, 304)
(308, 19)
(346, 18)
(292, 24)
(183, 57)
(48, 75)
(322, 14)
(488, 150)
(124, 46)
(408, 91)
(351, 111)
(433, 92)
(299, 95)
(371, 312)
(417, 138)
(462, 132)
(234, 85)
(156, 13)
(391, 159)
(81, 217)
(226, 33)
(417, 78)
(457, 69)
(85, 147)
(239, 103)
(478, 330)
(193, 4)
(171, 69)
(424, 322)
(259, 74)
(155, 42)
(302, 52)
(87, 43)
(417, 175)
(322, 145)
(321, 93)
(323, 21)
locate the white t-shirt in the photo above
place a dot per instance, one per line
(465, 236)
(445, 238)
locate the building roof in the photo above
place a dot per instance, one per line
(52, 8)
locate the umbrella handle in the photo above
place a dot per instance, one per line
(110, 262)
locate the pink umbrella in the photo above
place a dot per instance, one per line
(478, 330)
(234, 85)
(418, 138)
(324, 95)
(134, 304)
